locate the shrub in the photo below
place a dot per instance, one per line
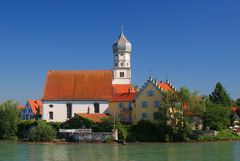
(23, 128)
(42, 132)
(144, 131)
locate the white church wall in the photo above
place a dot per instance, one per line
(59, 109)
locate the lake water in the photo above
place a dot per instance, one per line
(219, 151)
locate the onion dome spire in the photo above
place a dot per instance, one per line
(122, 43)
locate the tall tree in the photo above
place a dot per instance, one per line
(9, 117)
(238, 102)
(220, 96)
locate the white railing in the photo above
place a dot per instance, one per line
(76, 131)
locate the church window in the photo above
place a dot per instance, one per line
(96, 107)
(116, 64)
(69, 110)
(121, 74)
(144, 104)
(50, 115)
(121, 64)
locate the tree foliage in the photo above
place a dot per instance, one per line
(216, 117)
(9, 117)
(220, 96)
(238, 103)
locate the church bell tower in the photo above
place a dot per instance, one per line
(122, 49)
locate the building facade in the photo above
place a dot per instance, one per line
(148, 99)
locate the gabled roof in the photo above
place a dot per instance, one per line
(78, 85)
(35, 104)
(160, 86)
(95, 117)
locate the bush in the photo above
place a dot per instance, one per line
(221, 136)
(144, 131)
(105, 126)
(24, 127)
(42, 132)
(77, 123)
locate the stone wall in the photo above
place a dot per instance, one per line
(91, 136)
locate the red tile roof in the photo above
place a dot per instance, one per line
(123, 88)
(20, 107)
(165, 86)
(123, 97)
(35, 105)
(123, 93)
(78, 85)
(95, 117)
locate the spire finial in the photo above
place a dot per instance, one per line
(122, 29)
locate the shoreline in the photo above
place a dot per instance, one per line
(116, 143)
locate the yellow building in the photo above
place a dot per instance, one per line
(147, 101)
(122, 103)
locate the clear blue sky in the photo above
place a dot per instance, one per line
(192, 43)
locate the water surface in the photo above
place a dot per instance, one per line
(219, 151)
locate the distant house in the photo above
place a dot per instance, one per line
(148, 99)
(195, 120)
(31, 109)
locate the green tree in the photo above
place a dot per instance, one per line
(172, 107)
(197, 104)
(238, 103)
(220, 96)
(184, 95)
(9, 118)
(216, 117)
(38, 114)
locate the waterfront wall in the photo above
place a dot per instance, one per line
(90, 136)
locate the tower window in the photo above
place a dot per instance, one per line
(116, 64)
(121, 74)
(121, 64)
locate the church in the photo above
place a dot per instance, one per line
(67, 93)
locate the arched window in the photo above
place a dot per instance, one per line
(121, 64)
